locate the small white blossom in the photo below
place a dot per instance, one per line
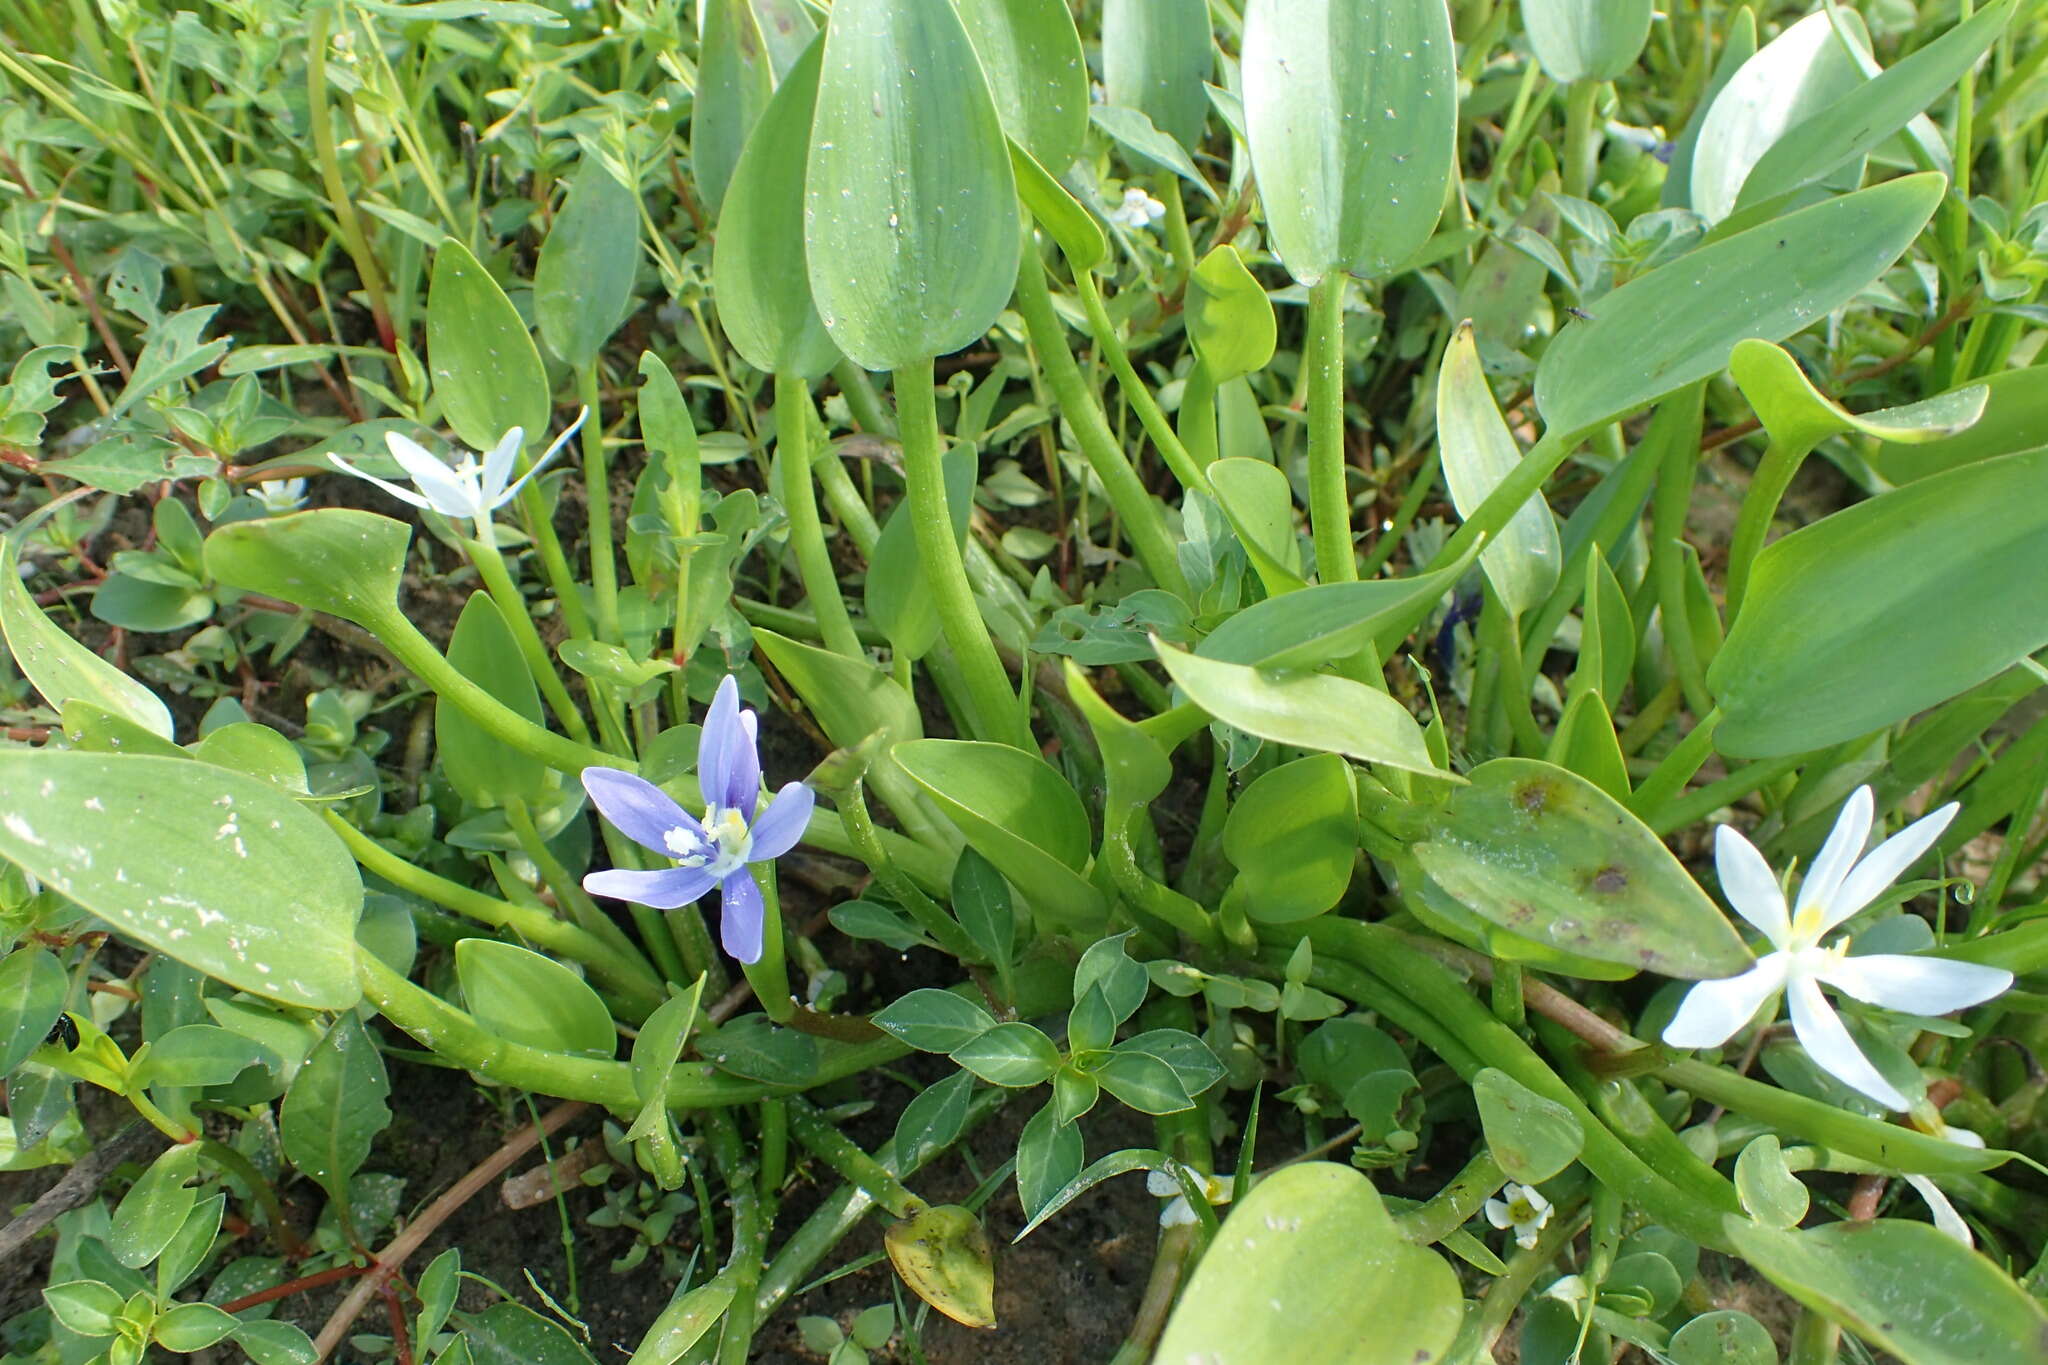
(1139, 210)
(1177, 1213)
(280, 495)
(469, 488)
(1522, 1209)
(1838, 886)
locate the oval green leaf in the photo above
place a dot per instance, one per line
(1156, 58)
(337, 560)
(1229, 318)
(1547, 855)
(517, 994)
(1586, 40)
(487, 371)
(223, 872)
(61, 668)
(487, 772)
(1309, 1268)
(1311, 711)
(1351, 113)
(1293, 837)
(1679, 322)
(1031, 53)
(910, 208)
(583, 281)
(1791, 79)
(735, 77)
(1886, 608)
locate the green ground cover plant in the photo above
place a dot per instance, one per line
(1435, 604)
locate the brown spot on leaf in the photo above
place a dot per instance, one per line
(1532, 796)
(1611, 879)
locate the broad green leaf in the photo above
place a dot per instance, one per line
(735, 77)
(910, 211)
(1586, 40)
(933, 1020)
(1532, 1136)
(87, 1307)
(787, 27)
(1156, 58)
(764, 301)
(1886, 608)
(1523, 561)
(1308, 710)
(1309, 1268)
(61, 668)
(337, 560)
(1018, 813)
(270, 1342)
(1798, 415)
(1547, 855)
(1791, 79)
(2015, 418)
(1229, 318)
(1738, 45)
(1031, 53)
(933, 1118)
(583, 281)
(1679, 322)
(151, 608)
(1136, 767)
(1293, 837)
(1325, 622)
(1351, 112)
(513, 1334)
(1907, 1288)
(487, 372)
(32, 986)
(1725, 1336)
(1143, 1082)
(1256, 498)
(190, 1327)
(851, 699)
(257, 750)
(202, 1054)
(122, 463)
(519, 995)
(1049, 1155)
(1014, 1055)
(656, 1052)
(335, 1106)
(484, 770)
(1871, 111)
(223, 872)
(172, 352)
(155, 1207)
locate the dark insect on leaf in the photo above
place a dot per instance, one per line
(64, 1033)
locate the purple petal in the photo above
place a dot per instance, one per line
(663, 890)
(642, 811)
(741, 916)
(728, 769)
(782, 824)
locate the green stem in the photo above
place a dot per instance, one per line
(1329, 498)
(750, 1220)
(1196, 421)
(415, 651)
(1178, 239)
(623, 971)
(1078, 404)
(353, 239)
(1452, 1206)
(497, 579)
(1766, 487)
(1581, 138)
(868, 847)
(993, 703)
(568, 893)
(1135, 393)
(793, 459)
(554, 564)
(597, 494)
(823, 1140)
(1668, 508)
(1662, 787)
(769, 974)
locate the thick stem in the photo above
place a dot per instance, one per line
(990, 698)
(511, 603)
(1766, 487)
(1581, 138)
(1452, 1206)
(800, 504)
(1078, 404)
(1135, 393)
(597, 494)
(1329, 499)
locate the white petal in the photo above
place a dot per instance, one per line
(1161, 1184)
(1713, 1010)
(542, 463)
(446, 494)
(395, 490)
(1945, 1216)
(498, 464)
(1886, 862)
(1838, 854)
(1497, 1213)
(1916, 985)
(1536, 1201)
(1528, 1235)
(1750, 885)
(1821, 1032)
(1177, 1214)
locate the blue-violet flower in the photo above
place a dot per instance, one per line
(715, 850)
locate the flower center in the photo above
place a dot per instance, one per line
(723, 847)
(1522, 1211)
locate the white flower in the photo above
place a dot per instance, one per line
(280, 495)
(1161, 1184)
(1139, 210)
(1522, 1209)
(1838, 886)
(470, 489)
